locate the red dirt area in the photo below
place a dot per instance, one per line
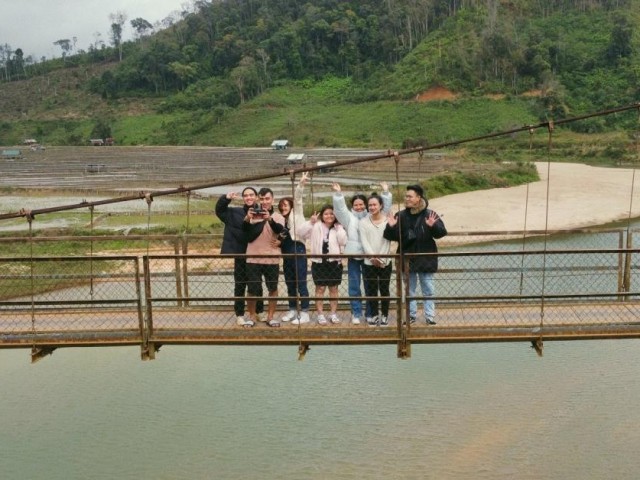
(436, 93)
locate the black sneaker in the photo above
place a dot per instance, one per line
(384, 321)
(430, 321)
(412, 320)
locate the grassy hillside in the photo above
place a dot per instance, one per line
(57, 112)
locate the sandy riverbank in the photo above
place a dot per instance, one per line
(579, 196)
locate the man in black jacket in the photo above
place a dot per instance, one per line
(416, 229)
(234, 241)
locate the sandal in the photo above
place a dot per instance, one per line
(273, 323)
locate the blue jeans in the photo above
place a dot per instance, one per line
(354, 276)
(427, 288)
(295, 275)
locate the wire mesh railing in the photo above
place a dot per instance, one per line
(189, 298)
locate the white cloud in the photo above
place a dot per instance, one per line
(33, 25)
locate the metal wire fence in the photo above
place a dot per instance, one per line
(196, 291)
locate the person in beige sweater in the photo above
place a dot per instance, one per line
(262, 226)
(376, 270)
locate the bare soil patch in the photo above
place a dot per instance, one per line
(436, 93)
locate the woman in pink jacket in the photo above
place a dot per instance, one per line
(326, 236)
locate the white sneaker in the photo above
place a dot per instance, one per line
(322, 320)
(243, 322)
(384, 321)
(355, 320)
(304, 318)
(372, 321)
(334, 318)
(290, 315)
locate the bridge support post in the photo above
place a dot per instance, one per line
(38, 353)
(148, 351)
(537, 345)
(404, 346)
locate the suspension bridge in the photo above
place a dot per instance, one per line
(523, 285)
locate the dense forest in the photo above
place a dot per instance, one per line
(579, 55)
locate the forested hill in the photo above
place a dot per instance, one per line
(576, 55)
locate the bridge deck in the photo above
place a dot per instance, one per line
(508, 322)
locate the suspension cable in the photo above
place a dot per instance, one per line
(149, 199)
(29, 216)
(292, 223)
(91, 208)
(526, 213)
(626, 280)
(188, 193)
(538, 345)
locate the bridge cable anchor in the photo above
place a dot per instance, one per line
(38, 353)
(537, 345)
(303, 348)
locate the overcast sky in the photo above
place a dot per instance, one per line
(33, 25)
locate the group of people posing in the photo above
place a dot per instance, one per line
(260, 234)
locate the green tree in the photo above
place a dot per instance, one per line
(620, 44)
(101, 128)
(117, 25)
(245, 77)
(65, 46)
(141, 26)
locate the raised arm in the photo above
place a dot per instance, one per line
(298, 205)
(387, 197)
(340, 209)
(222, 206)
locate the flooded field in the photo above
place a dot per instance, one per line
(60, 176)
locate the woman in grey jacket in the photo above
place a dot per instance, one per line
(350, 218)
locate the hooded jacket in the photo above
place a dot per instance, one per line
(233, 239)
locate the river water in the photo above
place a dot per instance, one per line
(471, 411)
(465, 411)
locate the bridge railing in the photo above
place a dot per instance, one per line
(132, 298)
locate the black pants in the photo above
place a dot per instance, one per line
(376, 281)
(240, 278)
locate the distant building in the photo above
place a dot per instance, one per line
(280, 144)
(328, 166)
(96, 142)
(11, 154)
(30, 141)
(296, 158)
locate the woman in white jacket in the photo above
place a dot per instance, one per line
(350, 219)
(376, 270)
(326, 237)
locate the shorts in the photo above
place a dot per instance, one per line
(326, 274)
(255, 272)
